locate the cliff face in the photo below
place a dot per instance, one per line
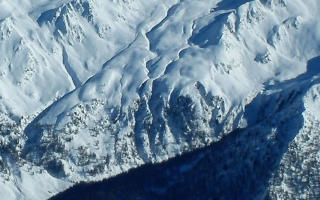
(90, 89)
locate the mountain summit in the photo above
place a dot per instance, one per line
(90, 89)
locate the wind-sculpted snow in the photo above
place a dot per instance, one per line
(91, 88)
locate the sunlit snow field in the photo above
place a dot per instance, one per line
(92, 88)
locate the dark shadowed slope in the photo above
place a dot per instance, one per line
(237, 167)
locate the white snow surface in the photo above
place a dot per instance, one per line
(93, 88)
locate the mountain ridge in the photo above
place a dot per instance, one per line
(110, 86)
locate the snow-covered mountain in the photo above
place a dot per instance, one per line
(92, 88)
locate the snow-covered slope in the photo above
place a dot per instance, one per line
(92, 88)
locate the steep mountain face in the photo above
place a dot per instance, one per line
(90, 89)
(243, 163)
